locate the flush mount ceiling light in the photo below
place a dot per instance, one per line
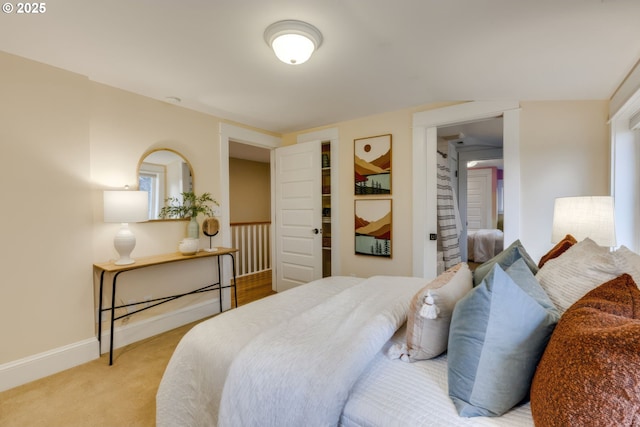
(293, 41)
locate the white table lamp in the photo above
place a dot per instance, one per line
(582, 217)
(125, 207)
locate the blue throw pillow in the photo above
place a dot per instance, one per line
(498, 333)
(506, 258)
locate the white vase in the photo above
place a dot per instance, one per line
(188, 246)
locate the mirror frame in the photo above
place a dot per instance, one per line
(141, 161)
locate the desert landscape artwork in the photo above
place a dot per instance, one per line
(372, 165)
(373, 227)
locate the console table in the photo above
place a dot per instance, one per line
(116, 270)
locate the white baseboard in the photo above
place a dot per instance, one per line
(38, 366)
(133, 332)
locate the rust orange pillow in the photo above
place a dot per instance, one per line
(558, 249)
(589, 373)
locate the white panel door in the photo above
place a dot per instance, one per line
(479, 198)
(298, 210)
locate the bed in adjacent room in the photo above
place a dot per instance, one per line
(387, 350)
(484, 244)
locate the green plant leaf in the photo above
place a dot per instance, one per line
(188, 205)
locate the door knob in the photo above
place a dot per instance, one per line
(316, 231)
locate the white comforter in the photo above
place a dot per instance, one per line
(191, 388)
(301, 371)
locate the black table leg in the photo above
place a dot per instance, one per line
(113, 315)
(219, 283)
(233, 269)
(100, 314)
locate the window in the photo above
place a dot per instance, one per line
(151, 179)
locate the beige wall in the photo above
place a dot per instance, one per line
(46, 297)
(123, 127)
(398, 124)
(565, 151)
(249, 191)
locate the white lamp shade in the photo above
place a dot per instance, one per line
(126, 206)
(585, 217)
(293, 41)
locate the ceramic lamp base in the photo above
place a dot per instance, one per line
(124, 243)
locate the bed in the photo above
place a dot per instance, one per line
(482, 245)
(326, 353)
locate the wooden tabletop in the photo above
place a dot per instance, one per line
(160, 259)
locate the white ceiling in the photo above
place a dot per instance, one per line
(377, 55)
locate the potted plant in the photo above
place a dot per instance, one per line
(188, 205)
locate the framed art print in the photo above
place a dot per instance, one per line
(372, 165)
(373, 227)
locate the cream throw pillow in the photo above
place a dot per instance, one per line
(631, 261)
(581, 268)
(430, 314)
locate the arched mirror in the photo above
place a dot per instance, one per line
(163, 173)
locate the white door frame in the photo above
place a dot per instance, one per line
(425, 139)
(625, 160)
(246, 136)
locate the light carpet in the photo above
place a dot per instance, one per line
(96, 394)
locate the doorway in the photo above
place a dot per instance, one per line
(425, 137)
(250, 207)
(228, 134)
(477, 167)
